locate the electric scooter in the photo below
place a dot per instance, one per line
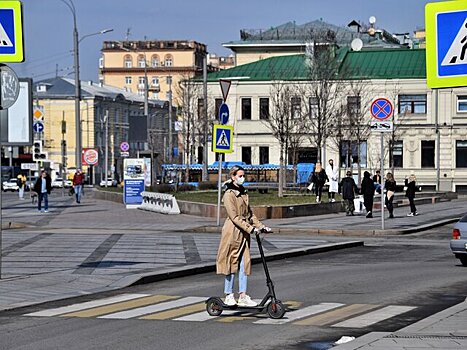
(270, 304)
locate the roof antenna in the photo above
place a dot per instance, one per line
(128, 33)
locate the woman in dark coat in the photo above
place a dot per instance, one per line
(410, 183)
(368, 192)
(390, 187)
(319, 179)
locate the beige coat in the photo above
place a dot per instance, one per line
(236, 232)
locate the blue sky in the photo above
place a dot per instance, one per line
(48, 24)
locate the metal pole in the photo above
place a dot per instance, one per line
(169, 81)
(438, 140)
(106, 121)
(63, 154)
(219, 188)
(1, 225)
(382, 182)
(77, 91)
(205, 104)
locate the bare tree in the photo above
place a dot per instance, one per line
(323, 92)
(188, 93)
(281, 121)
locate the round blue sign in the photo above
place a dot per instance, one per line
(381, 109)
(38, 127)
(224, 114)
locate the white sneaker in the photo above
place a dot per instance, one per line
(246, 301)
(230, 300)
(410, 214)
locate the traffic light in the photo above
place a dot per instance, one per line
(37, 154)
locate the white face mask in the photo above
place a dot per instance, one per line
(240, 181)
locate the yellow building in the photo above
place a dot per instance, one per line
(103, 108)
(126, 63)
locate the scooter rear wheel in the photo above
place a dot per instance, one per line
(214, 307)
(276, 310)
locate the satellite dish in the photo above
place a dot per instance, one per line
(372, 20)
(356, 44)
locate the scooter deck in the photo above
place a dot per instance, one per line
(240, 308)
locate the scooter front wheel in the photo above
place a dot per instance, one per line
(214, 307)
(276, 310)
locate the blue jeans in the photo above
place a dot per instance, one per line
(242, 280)
(78, 190)
(44, 196)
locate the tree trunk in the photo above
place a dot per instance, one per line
(280, 191)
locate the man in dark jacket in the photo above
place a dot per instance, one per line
(349, 188)
(368, 191)
(42, 187)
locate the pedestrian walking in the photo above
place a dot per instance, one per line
(368, 191)
(319, 179)
(233, 255)
(349, 188)
(377, 181)
(21, 181)
(78, 181)
(390, 187)
(332, 172)
(42, 187)
(410, 189)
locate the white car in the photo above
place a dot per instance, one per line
(10, 185)
(58, 183)
(110, 182)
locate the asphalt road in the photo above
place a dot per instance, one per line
(356, 291)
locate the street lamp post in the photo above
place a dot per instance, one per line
(76, 41)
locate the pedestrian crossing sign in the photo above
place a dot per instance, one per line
(222, 139)
(11, 32)
(446, 44)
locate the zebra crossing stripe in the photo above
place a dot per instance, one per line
(153, 308)
(86, 305)
(204, 316)
(374, 317)
(335, 315)
(107, 309)
(164, 315)
(307, 311)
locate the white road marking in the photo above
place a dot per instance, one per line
(374, 316)
(154, 308)
(86, 305)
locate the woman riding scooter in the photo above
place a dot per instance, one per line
(234, 249)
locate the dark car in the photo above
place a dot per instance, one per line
(459, 240)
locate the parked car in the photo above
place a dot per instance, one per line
(10, 185)
(110, 182)
(459, 240)
(58, 183)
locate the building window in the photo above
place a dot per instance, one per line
(217, 105)
(155, 81)
(200, 108)
(313, 101)
(462, 104)
(349, 156)
(155, 61)
(264, 155)
(428, 154)
(353, 105)
(296, 107)
(155, 95)
(396, 154)
(246, 108)
(141, 61)
(264, 108)
(461, 154)
(128, 80)
(412, 104)
(246, 155)
(127, 61)
(168, 61)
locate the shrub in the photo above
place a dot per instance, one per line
(207, 185)
(186, 187)
(164, 188)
